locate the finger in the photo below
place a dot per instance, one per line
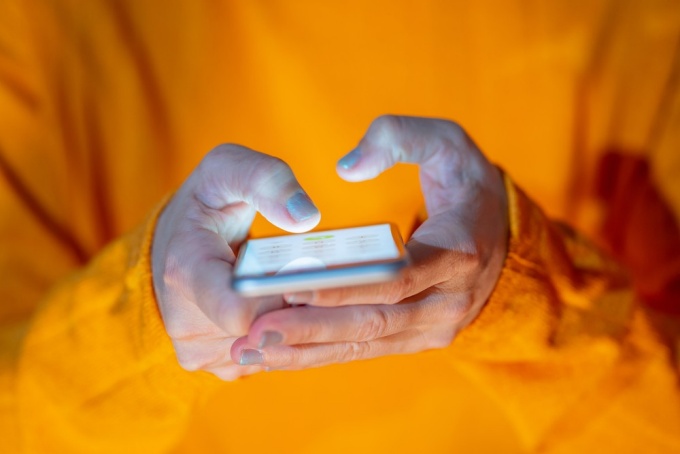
(307, 325)
(233, 372)
(231, 175)
(203, 354)
(431, 264)
(315, 355)
(391, 139)
(452, 169)
(198, 269)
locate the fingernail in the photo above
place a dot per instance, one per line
(270, 338)
(350, 159)
(298, 298)
(250, 357)
(300, 207)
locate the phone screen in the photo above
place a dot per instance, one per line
(318, 251)
(308, 261)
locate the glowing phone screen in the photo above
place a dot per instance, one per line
(317, 250)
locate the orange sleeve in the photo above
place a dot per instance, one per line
(85, 363)
(97, 372)
(566, 349)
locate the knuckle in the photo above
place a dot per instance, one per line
(269, 170)
(188, 365)
(455, 138)
(387, 127)
(223, 150)
(187, 361)
(227, 374)
(355, 350)
(307, 333)
(375, 326)
(230, 372)
(178, 329)
(456, 129)
(223, 167)
(215, 155)
(290, 358)
(267, 176)
(212, 170)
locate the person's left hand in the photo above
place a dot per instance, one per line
(457, 255)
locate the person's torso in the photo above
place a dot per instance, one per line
(154, 87)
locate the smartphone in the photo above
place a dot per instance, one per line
(316, 260)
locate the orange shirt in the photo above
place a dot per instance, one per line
(107, 106)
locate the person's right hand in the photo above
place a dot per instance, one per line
(193, 252)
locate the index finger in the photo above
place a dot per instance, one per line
(391, 139)
(451, 165)
(430, 266)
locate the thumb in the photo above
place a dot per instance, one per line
(391, 139)
(232, 175)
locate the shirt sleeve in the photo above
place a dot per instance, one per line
(85, 362)
(92, 369)
(97, 370)
(567, 350)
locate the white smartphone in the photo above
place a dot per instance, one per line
(316, 260)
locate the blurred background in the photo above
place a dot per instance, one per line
(115, 102)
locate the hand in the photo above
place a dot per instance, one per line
(193, 254)
(457, 254)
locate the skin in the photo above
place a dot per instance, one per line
(193, 252)
(457, 255)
